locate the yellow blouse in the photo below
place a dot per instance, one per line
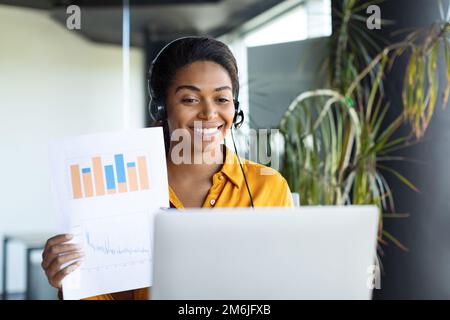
(268, 188)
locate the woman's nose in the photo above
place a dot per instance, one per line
(208, 110)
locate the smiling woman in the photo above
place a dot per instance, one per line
(194, 86)
(206, 109)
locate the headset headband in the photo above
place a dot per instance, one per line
(157, 109)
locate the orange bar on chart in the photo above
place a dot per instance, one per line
(122, 186)
(76, 181)
(87, 183)
(98, 176)
(143, 173)
(111, 191)
(132, 178)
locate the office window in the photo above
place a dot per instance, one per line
(291, 20)
(307, 19)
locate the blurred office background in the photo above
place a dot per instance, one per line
(56, 82)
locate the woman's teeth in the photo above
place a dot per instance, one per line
(206, 131)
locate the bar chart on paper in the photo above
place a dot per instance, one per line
(108, 187)
(99, 177)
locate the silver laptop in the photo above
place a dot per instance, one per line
(269, 253)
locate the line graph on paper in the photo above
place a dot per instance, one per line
(107, 248)
(115, 242)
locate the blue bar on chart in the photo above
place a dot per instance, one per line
(110, 181)
(120, 171)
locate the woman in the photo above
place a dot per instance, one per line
(193, 84)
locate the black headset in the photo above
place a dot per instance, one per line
(156, 107)
(158, 113)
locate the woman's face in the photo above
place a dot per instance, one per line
(200, 101)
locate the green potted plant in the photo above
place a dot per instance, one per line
(337, 143)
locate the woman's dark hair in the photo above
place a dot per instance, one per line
(183, 52)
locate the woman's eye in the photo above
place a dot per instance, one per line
(223, 100)
(189, 100)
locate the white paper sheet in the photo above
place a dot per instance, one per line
(107, 187)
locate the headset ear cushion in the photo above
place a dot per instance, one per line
(238, 118)
(236, 104)
(238, 114)
(156, 111)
